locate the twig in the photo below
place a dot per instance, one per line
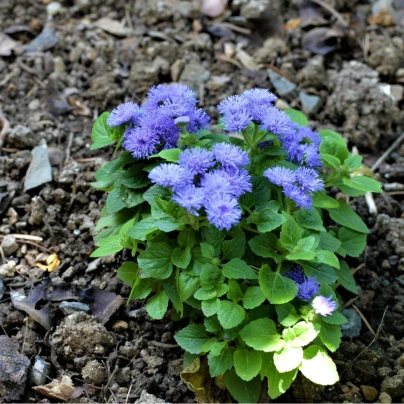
(350, 301)
(364, 320)
(370, 201)
(353, 272)
(5, 126)
(68, 147)
(25, 237)
(3, 256)
(163, 345)
(34, 244)
(332, 11)
(383, 157)
(235, 28)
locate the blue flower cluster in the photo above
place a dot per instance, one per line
(213, 180)
(307, 286)
(297, 185)
(157, 123)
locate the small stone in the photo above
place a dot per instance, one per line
(94, 373)
(310, 103)
(112, 27)
(38, 210)
(9, 245)
(150, 360)
(7, 270)
(138, 313)
(34, 105)
(354, 325)
(53, 8)
(369, 392)
(2, 289)
(21, 136)
(176, 69)
(193, 75)
(72, 307)
(39, 372)
(394, 386)
(120, 325)
(384, 372)
(39, 171)
(384, 398)
(146, 398)
(283, 87)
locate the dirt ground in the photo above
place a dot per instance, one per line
(64, 62)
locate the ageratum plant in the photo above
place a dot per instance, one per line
(231, 227)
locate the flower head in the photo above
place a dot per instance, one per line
(309, 180)
(240, 180)
(197, 161)
(308, 288)
(230, 155)
(280, 176)
(295, 273)
(324, 305)
(223, 212)
(276, 121)
(297, 195)
(215, 182)
(235, 111)
(260, 96)
(199, 120)
(190, 197)
(140, 142)
(175, 93)
(125, 113)
(170, 175)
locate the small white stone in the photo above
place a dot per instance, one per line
(53, 8)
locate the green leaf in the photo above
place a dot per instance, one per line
(288, 358)
(181, 258)
(363, 184)
(186, 238)
(346, 279)
(300, 334)
(143, 228)
(230, 314)
(327, 257)
(322, 272)
(264, 245)
(212, 324)
(127, 272)
(157, 305)
(348, 190)
(167, 224)
(220, 363)
(287, 315)
(329, 242)
(101, 133)
(234, 248)
(334, 318)
(235, 293)
(322, 200)
(211, 276)
(170, 155)
(192, 338)
(318, 367)
(297, 116)
(352, 242)
(187, 286)
(261, 335)
(353, 162)
(215, 347)
(155, 261)
(334, 147)
(134, 177)
(238, 269)
(261, 190)
(115, 200)
(210, 307)
(253, 297)
(241, 390)
(108, 246)
(331, 134)
(140, 289)
(156, 191)
(290, 234)
(214, 237)
(276, 288)
(310, 219)
(278, 383)
(304, 255)
(331, 161)
(330, 336)
(208, 251)
(170, 286)
(247, 363)
(268, 219)
(345, 216)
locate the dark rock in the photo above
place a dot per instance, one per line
(13, 369)
(353, 327)
(9, 245)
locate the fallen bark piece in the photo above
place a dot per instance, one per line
(59, 389)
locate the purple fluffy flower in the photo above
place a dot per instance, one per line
(240, 181)
(260, 96)
(223, 212)
(215, 182)
(280, 176)
(139, 142)
(174, 93)
(275, 121)
(235, 111)
(190, 197)
(295, 273)
(124, 113)
(170, 175)
(199, 120)
(182, 120)
(308, 288)
(196, 161)
(324, 305)
(230, 155)
(297, 195)
(312, 156)
(309, 180)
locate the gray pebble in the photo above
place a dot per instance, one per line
(354, 325)
(9, 245)
(71, 307)
(39, 372)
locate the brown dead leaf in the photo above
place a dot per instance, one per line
(383, 18)
(52, 263)
(292, 24)
(113, 27)
(213, 8)
(79, 107)
(57, 389)
(9, 46)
